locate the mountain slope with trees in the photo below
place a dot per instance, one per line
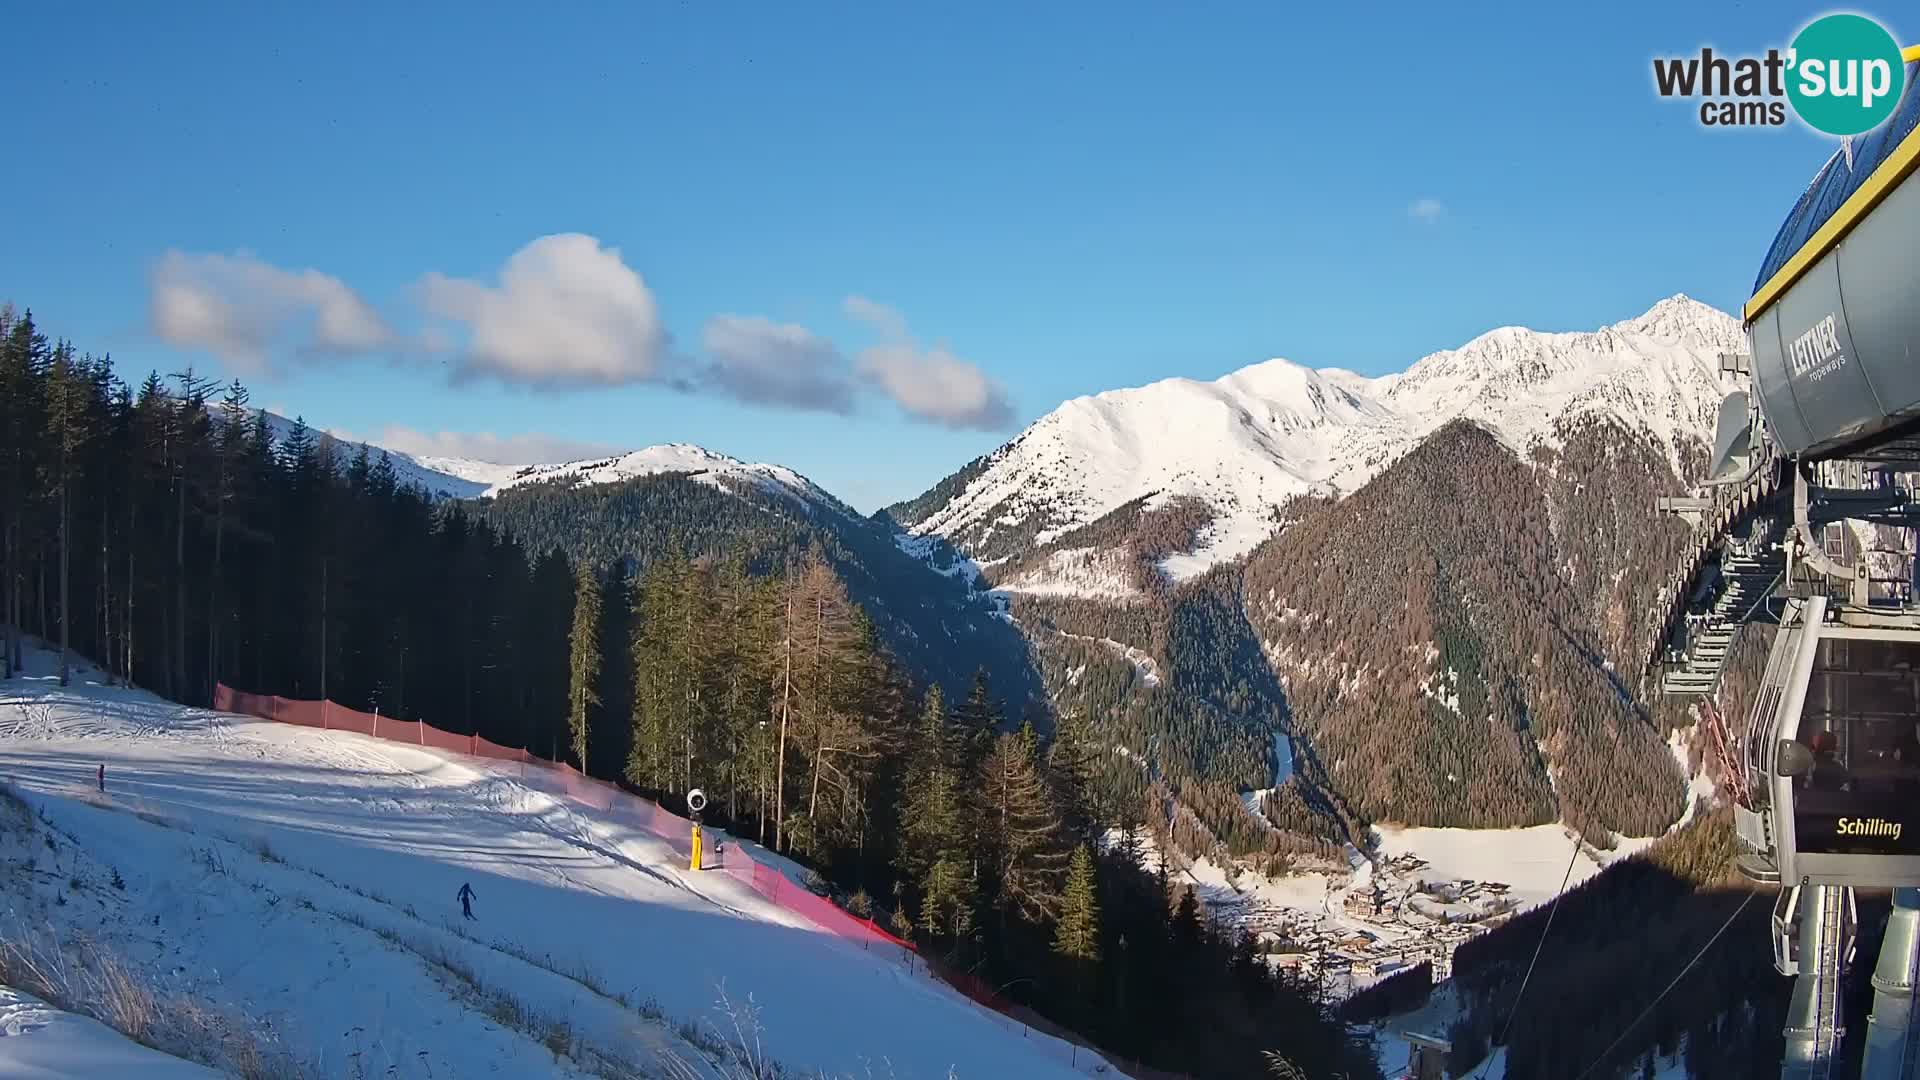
(935, 624)
(1449, 645)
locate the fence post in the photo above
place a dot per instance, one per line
(422, 730)
(323, 714)
(473, 746)
(376, 721)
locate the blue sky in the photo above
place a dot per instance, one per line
(1029, 202)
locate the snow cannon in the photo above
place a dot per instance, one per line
(696, 802)
(1834, 318)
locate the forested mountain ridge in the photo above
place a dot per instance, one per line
(1447, 636)
(938, 626)
(642, 506)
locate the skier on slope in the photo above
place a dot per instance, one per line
(466, 899)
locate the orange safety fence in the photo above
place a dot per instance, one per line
(405, 731)
(561, 779)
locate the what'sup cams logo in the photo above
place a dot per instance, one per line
(1843, 76)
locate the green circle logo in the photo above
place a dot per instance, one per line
(1846, 75)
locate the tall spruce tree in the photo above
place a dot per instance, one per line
(69, 426)
(583, 665)
(1077, 935)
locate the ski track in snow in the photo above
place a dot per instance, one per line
(387, 833)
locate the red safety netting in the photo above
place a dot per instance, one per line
(485, 749)
(580, 788)
(446, 740)
(405, 731)
(304, 713)
(763, 877)
(339, 719)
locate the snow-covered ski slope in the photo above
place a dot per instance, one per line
(308, 878)
(40, 1042)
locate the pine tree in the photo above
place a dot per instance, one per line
(231, 443)
(657, 659)
(612, 736)
(1021, 827)
(23, 358)
(1071, 762)
(743, 651)
(946, 906)
(70, 427)
(922, 834)
(976, 722)
(584, 660)
(1077, 935)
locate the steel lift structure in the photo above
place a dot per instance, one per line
(1807, 521)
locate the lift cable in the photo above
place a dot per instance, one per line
(1669, 989)
(1553, 910)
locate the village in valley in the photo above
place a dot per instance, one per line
(1345, 929)
(1397, 914)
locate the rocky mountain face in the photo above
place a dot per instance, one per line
(1443, 575)
(1228, 456)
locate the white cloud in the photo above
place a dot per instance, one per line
(936, 385)
(566, 312)
(929, 384)
(764, 362)
(239, 308)
(1426, 211)
(528, 448)
(881, 317)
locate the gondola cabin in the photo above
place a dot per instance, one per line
(1833, 753)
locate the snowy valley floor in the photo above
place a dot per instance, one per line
(306, 880)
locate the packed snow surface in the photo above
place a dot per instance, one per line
(40, 1042)
(1532, 860)
(1246, 442)
(307, 879)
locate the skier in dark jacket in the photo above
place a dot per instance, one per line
(466, 900)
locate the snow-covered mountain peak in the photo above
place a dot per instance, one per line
(467, 478)
(707, 466)
(1302, 397)
(1682, 318)
(1246, 442)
